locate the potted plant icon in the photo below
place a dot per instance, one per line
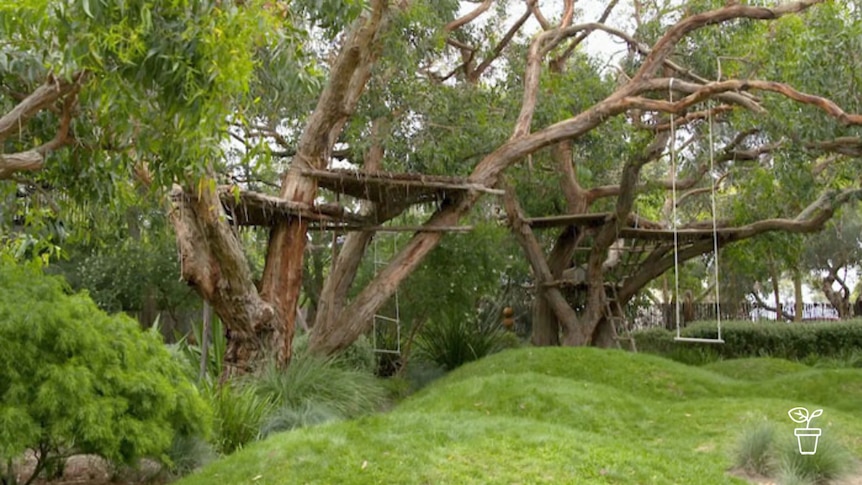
(807, 436)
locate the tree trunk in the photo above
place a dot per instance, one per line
(776, 293)
(546, 326)
(213, 262)
(344, 269)
(346, 263)
(797, 295)
(605, 335)
(838, 299)
(355, 319)
(282, 275)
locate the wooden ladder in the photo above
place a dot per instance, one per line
(617, 320)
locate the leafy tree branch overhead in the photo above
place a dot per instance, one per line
(238, 112)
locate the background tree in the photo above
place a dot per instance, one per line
(832, 255)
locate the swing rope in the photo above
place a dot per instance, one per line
(714, 222)
(673, 209)
(673, 168)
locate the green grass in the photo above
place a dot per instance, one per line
(756, 369)
(559, 415)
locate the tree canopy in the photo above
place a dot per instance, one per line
(240, 112)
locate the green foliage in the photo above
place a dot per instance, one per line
(421, 372)
(459, 274)
(310, 391)
(191, 350)
(288, 417)
(660, 341)
(792, 341)
(164, 76)
(453, 340)
(550, 415)
(754, 452)
(838, 247)
(124, 276)
(760, 451)
(239, 412)
(188, 453)
(358, 356)
(76, 380)
(831, 462)
(312, 383)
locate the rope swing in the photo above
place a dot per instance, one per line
(674, 227)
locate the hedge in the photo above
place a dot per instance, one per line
(792, 341)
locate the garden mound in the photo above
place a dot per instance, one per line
(559, 415)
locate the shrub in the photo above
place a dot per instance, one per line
(755, 449)
(313, 380)
(188, 453)
(313, 390)
(454, 340)
(192, 351)
(792, 341)
(759, 452)
(239, 414)
(76, 380)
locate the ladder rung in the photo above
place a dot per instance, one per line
(388, 319)
(386, 351)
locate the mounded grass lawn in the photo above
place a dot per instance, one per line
(560, 415)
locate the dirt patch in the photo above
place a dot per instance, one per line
(93, 470)
(752, 477)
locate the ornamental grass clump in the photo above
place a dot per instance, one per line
(754, 453)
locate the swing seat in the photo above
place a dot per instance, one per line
(699, 340)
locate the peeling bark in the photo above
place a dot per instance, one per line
(213, 263)
(282, 276)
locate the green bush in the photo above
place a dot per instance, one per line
(188, 453)
(311, 390)
(832, 461)
(759, 452)
(289, 417)
(310, 383)
(454, 340)
(191, 350)
(76, 380)
(240, 412)
(792, 341)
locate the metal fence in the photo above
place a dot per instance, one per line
(664, 315)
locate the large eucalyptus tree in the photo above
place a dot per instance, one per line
(186, 96)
